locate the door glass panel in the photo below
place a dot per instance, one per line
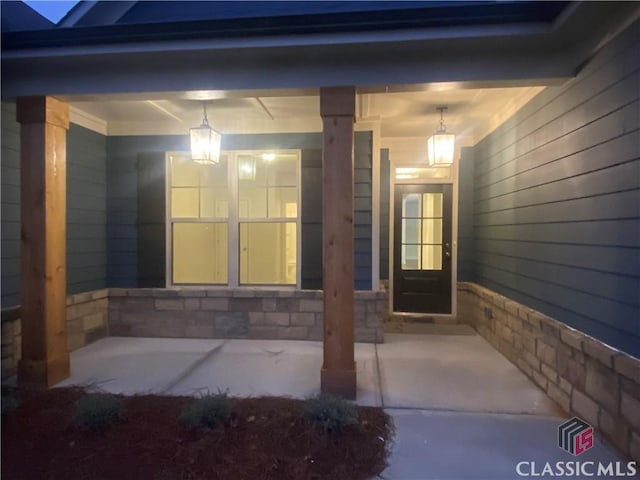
(431, 205)
(411, 205)
(268, 253)
(411, 257)
(431, 230)
(422, 225)
(410, 230)
(199, 253)
(432, 257)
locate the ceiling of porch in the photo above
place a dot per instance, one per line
(408, 112)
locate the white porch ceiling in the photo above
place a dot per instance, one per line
(409, 114)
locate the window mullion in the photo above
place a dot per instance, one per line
(233, 261)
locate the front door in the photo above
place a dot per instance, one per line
(422, 249)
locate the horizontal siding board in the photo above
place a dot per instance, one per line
(10, 205)
(86, 259)
(621, 204)
(609, 335)
(123, 245)
(605, 285)
(82, 246)
(11, 231)
(622, 261)
(604, 129)
(277, 141)
(11, 249)
(10, 212)
(595, 184)
(613, 314)
(618, 233)
(10, 175)
(10, 194)
(10, 267)
(556, 217)
(555, 101)
(86, 209)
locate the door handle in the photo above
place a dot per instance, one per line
(447, 253)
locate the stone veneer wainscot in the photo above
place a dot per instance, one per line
(86, 322)
(235, 313)
(584, 376)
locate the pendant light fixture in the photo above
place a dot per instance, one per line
(441, 144)
(205, 142)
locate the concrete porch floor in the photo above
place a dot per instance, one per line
(461, 410)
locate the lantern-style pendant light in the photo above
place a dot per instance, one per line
(441, 144)
(205, 142)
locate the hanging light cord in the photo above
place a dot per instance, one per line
(205, 121)
(442, 127)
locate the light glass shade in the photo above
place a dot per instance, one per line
(205, 144)
(441, 148)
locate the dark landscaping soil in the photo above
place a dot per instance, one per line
(265, 438)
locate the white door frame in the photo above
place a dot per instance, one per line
(453, 181)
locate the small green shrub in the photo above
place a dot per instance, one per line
(97, 411)
(206, 412)
(9, 402)
(329, 412)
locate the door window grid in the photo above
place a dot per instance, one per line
(421, 247)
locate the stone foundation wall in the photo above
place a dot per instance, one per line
(86, 322)
(235, 313)
(584, 376)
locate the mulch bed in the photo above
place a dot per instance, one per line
(265, 438)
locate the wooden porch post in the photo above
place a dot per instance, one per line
(337, 108)
(43, 159)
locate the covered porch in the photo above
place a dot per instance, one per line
(531, 230)
(450, 393)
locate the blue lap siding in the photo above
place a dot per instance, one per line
(86, 208)
(556, 200)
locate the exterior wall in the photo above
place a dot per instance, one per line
(10, 214)
(466, 266)
(86, 322)
(235, 313)
(362, 209)
(556, 200)
(86, 208)
(128, 232)
(583, 375)
(385, 202)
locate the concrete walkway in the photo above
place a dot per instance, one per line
(461, 410)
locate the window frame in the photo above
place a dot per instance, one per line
(233, 221)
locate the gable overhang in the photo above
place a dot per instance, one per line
(260, 54)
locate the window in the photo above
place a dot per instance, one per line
(235, 223)
(422, 231)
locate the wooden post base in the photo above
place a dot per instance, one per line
(43, 372)
(339, 382)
